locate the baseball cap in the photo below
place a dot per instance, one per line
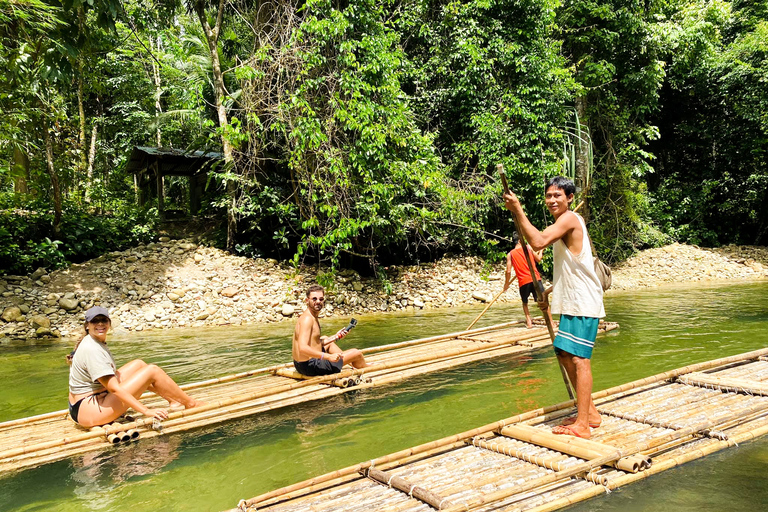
(94, 312)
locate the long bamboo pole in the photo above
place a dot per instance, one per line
(623, 388)
(488, 306)
(538, 286)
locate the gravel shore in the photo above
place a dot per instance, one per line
(178, 283)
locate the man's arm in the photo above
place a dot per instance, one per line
(508, 272)
(539, 240)
(537, 255)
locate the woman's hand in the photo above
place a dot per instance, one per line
(160, 414)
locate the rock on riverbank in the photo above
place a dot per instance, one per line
(684, 263)
(179, 283)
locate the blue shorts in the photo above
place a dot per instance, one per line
(576, 335)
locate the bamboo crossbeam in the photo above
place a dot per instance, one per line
(274, 496)
(724, 384)
(581, 448)
(553, 463)
(403, 485)
(639, 418)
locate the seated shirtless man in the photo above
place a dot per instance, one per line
(319, 355)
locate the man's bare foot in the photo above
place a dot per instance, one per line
(173, 405)
(529, 325)
(570, 430)
(593, 422)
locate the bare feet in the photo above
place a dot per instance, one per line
(594, 422)
(195, 403)
(570, 430)
(529, 325)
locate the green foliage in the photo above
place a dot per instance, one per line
(712, 178)
(27, 240)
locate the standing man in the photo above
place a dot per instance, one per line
(516, 259)
(576, 295)
(319, 355)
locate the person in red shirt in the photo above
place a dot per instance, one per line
(516, 259)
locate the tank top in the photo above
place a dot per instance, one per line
(577, 290)
(522, 271)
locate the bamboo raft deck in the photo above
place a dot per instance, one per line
(45, 438)
(517, 464)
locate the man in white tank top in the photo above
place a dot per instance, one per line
(577, 295)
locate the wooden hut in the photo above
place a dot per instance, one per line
(150, 166)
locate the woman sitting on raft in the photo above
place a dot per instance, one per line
(99, 393)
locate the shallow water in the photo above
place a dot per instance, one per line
(211, 470)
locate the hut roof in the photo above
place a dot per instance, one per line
(170, 161)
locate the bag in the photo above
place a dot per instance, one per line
(603, 272)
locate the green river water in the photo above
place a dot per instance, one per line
(212, 469)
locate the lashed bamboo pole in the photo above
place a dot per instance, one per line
(553, 463)
(581, 448)
(725, 384)
(412, 490)
(488, 306)
(623, 388)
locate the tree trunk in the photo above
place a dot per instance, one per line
(582, 156)
(20, 171)
(54, 182)
(212, 37)
(91, 159)
(158, 90)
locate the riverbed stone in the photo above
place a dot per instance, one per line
(288, 310)
(11, 314)
(69, 303)
(37, 274)
(229, 291)
(39, 321)
(44, 332)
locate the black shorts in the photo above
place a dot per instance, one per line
(315, 367)
(527, 290)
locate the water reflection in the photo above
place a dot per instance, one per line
(96, 474)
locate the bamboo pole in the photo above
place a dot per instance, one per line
(725, 384)
(549, 410)
(538, 286)
(553, 463)
(442, 337)
(488, 306)
(581, 448)
(412, 490)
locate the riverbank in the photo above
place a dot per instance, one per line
(178, 283)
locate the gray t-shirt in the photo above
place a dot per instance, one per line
(92, 360)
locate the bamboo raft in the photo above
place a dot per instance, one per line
(45, 438)
(517, 464)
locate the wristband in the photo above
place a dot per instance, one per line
(321, 356)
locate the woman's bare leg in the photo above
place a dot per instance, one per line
(104, 409)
